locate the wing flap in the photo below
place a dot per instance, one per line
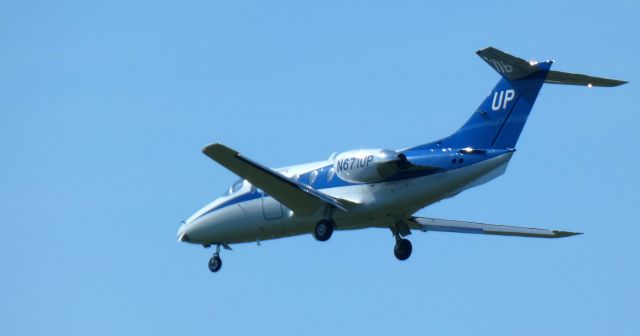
(294, 195)
(444, 225)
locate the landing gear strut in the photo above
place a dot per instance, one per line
(324, 230)
(215, 263)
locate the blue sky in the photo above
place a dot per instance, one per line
(104, 108)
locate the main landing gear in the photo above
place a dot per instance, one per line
(324, 229)
(403, 248)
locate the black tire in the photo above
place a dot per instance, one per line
(215, 263)
(403, 249)
(323, 230)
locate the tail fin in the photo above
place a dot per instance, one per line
(499, 120)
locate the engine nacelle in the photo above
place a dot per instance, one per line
(365, 165)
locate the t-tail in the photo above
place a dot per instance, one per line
(499, 120)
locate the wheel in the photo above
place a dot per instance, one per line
(403, 249)
(215, 263)
(323, 230)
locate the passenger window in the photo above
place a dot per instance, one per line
(330, 174)
(313, 176)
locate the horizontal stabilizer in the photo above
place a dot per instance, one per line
(514, 68)
(445, 225)
(509, 66)
(559, 77)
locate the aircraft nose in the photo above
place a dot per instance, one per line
(182, 233)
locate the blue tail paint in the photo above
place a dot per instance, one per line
(499, 120)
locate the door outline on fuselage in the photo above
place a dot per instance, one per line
(271, 209)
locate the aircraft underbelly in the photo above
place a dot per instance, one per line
(403, 198)
(452, 182)
(253, 220)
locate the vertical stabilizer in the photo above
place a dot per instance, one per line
(499, 120)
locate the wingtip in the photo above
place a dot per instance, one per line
(485, 49)
(562, 234)
(612, 83)
(210, 146)
(217, 148)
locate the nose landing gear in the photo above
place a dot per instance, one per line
(215, 263)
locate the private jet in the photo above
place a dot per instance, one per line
(381, 188)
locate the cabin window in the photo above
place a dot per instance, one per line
(330, 174)
(313, 176)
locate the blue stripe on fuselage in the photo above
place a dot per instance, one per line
(320, 183)
(443, 160)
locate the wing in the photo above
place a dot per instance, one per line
(296, 196)
(445, 225)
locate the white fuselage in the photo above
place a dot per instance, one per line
(261, 217)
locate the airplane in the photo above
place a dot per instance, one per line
(382, 188)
